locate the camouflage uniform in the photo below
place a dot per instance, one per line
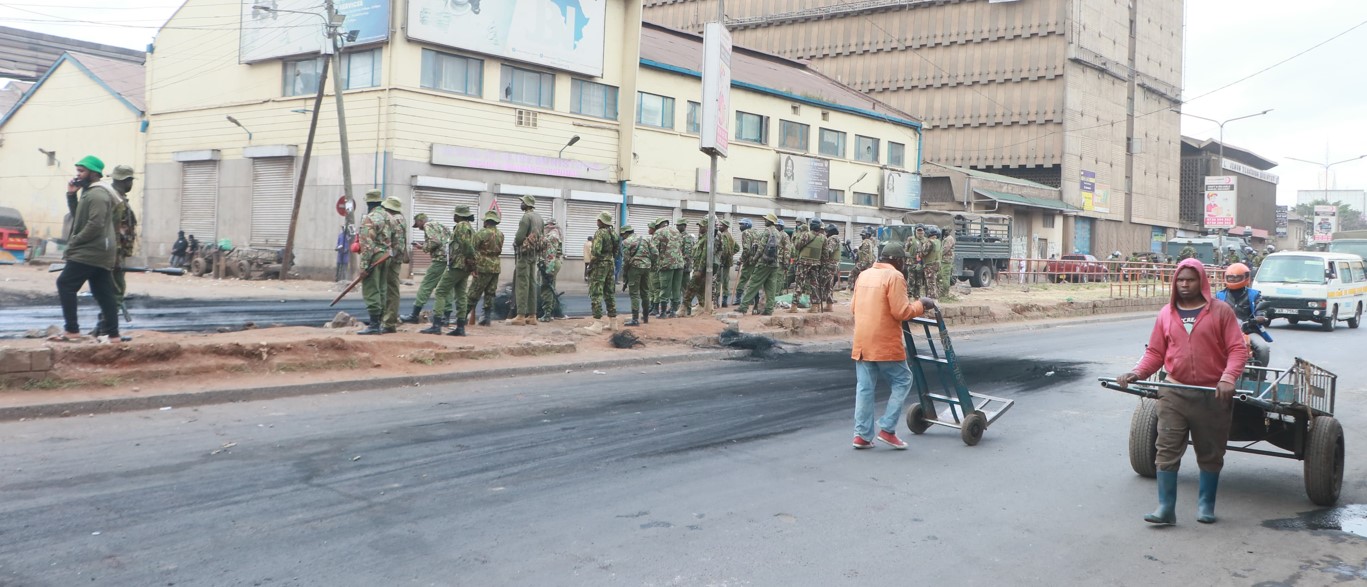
(460, 263)
(529, 243)
(697, 284)
(488, 246)
(947, 263)
(436, 239)
(931, 253)
(764, 273)
(376, 239)
(915, 267)
(126, 231)
(830, 267)
(726, 255)
(785, 260)
(747, 260)
(1187, 252)
(638, 256)
(602, 275)
(809, 245)
(669, 251)
(551, 261)
(398, 257)
(864, 257)
(690, 244)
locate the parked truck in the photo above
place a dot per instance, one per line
(1349, 241)
(982, 246)
(1206, 247)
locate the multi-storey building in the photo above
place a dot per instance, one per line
(1255, 188)
(1069, 93)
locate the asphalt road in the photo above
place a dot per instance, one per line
(721, 473)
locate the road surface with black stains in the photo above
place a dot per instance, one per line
(717, 473)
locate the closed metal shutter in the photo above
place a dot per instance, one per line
(199, 200)
(438, 205)
(581, 222)
(512, 215)
(640, 217)
(272, 200)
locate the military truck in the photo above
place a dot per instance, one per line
(1206, 247)
(982, 248)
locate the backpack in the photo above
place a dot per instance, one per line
(769, 256)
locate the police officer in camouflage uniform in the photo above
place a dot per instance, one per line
(551, 261)
(602, 274)
(399, 257)
(830, 268)
(669, 245)
(125, 230)
(460, 263)
(697, 283)
(866, 255)
(377, 239)
(931, 253)
(746, 263)
(915, 264)
(529, 243)
(638, 256)
(785, 259)
(947, 243)
(766, 254)
(726, 255)
(690, 244)
(809, 245)
(654, 290)
(488, 246)
(436, 239)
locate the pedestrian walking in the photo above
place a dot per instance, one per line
(529, 243)
(551, 261)
(765, 254)
(669, 248)
(880, 306)
(1198, 341)
(91, 250)
(638, 256)
(436, 240)
(460, 264)
(488, 246)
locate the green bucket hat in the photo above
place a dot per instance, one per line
(392, 204)
(658, 222)
(464, 212)
(771, 218)
(492, 215)
(122, 172)
(681, 222)
(374, 196)
(528, 201)
(627, 229)
(91, 163)
(605, 218)
(420, 217)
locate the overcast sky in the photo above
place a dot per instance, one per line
(1319, 100)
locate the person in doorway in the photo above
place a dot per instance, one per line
(880, 306)
(1197, 339)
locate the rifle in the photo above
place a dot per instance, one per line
(55, 267)
(366, 273)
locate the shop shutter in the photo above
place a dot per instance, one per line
(640, 217)
(581, 222)
(272, 200)
(512, 215)
(439, 205)
(199, 200)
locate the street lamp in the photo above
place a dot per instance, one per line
(574, 139)
(1221, 164)
(239, 125)
(1326, 167)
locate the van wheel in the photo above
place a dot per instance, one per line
(1293, 321)
(1357, 317)
(1329, 321)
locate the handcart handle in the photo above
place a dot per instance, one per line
(1139, 391)
(1105, 380)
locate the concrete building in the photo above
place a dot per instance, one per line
(1255, 187)
(438, 118)
(83, 105)
(1072, 94)
(1037, 210)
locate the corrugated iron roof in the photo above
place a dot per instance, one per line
(127, 79)
(25, 55)
(11, 94)
(684, 50)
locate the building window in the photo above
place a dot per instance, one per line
(452, 73)
(750, 186)
(653, 110)
(1048, 221)
(865, 199)
(832, 143)
(694, 118)
(897, 154)
(361, 69)
(527, 87)
(793, 135)
(752, 128)
(593, 99)
(865, 149)
(835, 196)
(302, 77)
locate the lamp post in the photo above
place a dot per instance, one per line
(1326, 167)
(574, 139)
(1220, 165)
(239, 125)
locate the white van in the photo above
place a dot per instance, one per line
(1312, 286)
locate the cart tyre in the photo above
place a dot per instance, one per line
(1324, 461)
(198, 267)
(972, 428)
(916, 419)
(1144, 438)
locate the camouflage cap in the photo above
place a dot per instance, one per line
(492, 215)
(550, 222)
(681, 221)
(392, 204)
(725, 223)
(419, 217)
(658, 222)
(463, 211)
(605, 218)
(771, 218)
(627, 229)
(374, 196)
(893, 250)
(528, 201)
(122, 172)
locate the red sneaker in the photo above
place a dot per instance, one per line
(860, 443)
(891, 439)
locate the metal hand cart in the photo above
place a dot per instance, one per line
(970, 412)
(1290, 409)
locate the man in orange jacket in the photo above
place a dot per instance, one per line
(880, 306)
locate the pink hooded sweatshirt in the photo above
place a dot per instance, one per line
(1215, 350)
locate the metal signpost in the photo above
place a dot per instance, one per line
(715, 137)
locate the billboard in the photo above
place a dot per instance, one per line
(1282, 220)
(715, 137)
(1087, 189)
(804, 178)
(1326, 223)
(560, 34)
(1220, 201)
(901, 190)
(272, 29)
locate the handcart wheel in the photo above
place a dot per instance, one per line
(916, 419)
(971, 431)
(1144, 438)
(1324, 461)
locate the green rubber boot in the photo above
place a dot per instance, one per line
(1167, 500)
(1205, 498)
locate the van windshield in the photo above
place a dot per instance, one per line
(1291, 270)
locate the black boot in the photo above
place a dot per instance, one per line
(373, 327)
(460, 328)
(437, 323)
(446, 318)
(486, 318)
(412, 318)
(645, 317)
(724, 300)
(635, 319)
(674, 309)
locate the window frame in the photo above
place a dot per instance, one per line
(376, 61)
(430, 80)
(830, 192)
(821, 143)
(901, 162)
(856, 201)
(285, 86)
(611, 100)
(545, 91)
(763, 129)
(693, 118)
(667, 114)
(806, 136)
(763, 186)
(858, 152)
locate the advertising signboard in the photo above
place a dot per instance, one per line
(1087, 187)
(1326, 223)
(560, 34)
(901, 190)
(1281, 227)
(1220, 201)
(716, 90)
(272, 29)
(803, 178)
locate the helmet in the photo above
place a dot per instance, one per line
(1236, 276)
(1231, 247)
(745, 223)
(932, 230)
(831, 230)
(1271, 248)
(814, 224)
(779, 223)
(1115, 253)
(866, 232)
(1248, 250)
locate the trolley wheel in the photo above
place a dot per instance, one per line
(916, 419)
(244, 269)
(1324, 461)
(1144, 438)
(971, 431)
(198, 267)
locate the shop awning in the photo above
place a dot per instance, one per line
(1027, 201)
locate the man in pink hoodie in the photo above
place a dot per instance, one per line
(1198, 341)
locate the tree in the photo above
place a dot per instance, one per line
(1349, 219)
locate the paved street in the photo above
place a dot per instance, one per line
(722, 473)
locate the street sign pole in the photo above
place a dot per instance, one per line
(714, 138)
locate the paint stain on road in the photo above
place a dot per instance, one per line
(1349, 518)
(656, 524)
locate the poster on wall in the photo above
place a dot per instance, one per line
(901, 190)
(560, 34)
(1326, 223)
(804, 178)
(272, 29)
(1282, 220)
(1101, 198)
(1087, 187)
(1220, 201)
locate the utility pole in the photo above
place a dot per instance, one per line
(303, 174)
(712, 222)
(334, 32)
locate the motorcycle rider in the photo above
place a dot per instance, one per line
(1244, 300)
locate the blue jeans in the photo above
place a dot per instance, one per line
(867, 374)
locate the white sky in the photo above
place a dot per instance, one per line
(1319, 100)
